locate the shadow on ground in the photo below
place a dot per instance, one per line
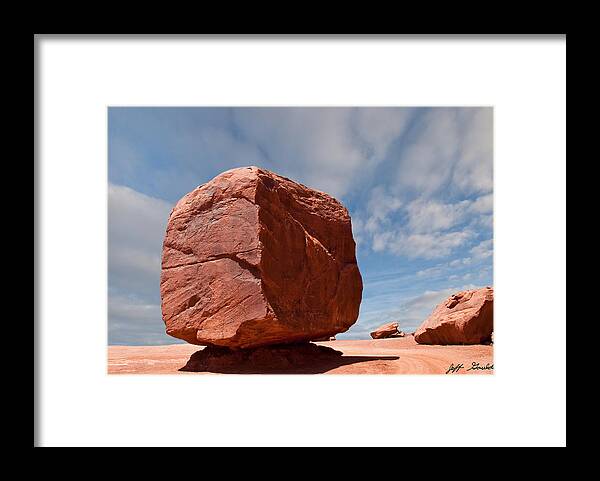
(305, 358)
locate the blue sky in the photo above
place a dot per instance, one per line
(417, 183)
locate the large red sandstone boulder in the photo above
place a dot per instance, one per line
(466, 317)
(252, 259)
(387, 330)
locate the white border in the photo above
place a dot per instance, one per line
(522, 404)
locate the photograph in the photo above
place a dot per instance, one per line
(300, 240)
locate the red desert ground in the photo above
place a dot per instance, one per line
(259, 274)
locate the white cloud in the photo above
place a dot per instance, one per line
(322, 147)
(134, 321)
(135, 219)
(452, 147)
(124, 157)
(465, 261)
(380, 127)
(358, 231)
(427, 246)
(483, 223)
(483, 249)
(463, 268)
(428, 300)
(424, 227)
(427, 229)
(136, 227)
(218, 147)
(425, 163)
(473, 171)
(379, 207)
(130, 308)
(433, 216)
(431, 271)
(311, 145)
(483, 204)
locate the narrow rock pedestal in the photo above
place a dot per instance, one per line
(304, 358)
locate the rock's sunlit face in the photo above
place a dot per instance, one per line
(253, 259)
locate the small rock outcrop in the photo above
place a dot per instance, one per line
(387, 330)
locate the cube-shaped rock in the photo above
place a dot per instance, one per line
(252, 258)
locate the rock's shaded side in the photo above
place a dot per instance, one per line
(252, 259)
(387, 330)
(466, 317)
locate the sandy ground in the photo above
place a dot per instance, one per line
(381, 356)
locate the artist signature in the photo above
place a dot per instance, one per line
(475, 366)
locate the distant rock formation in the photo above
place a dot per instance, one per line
(466, 317)
(387, 330)
(253, 259)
